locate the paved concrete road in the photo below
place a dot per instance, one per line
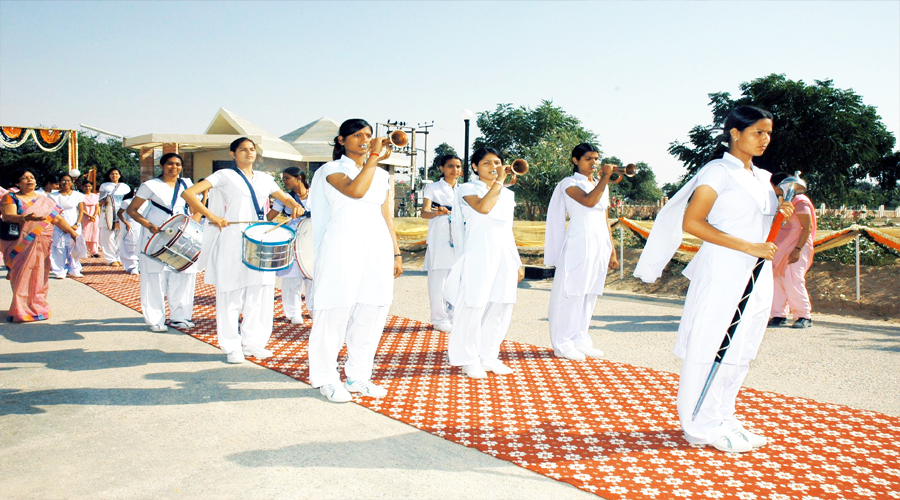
(92, 405)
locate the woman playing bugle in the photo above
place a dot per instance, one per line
(582, 253)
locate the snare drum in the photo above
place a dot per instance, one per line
(177, 244)
(109, 213)
(268, 249)
(303, 248)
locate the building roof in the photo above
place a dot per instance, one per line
(315, 140)
(226, 122)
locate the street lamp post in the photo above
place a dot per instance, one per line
(467, 116)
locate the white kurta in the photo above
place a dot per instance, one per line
(354, 253)
(231, 199)
(128, 242)
(439, 253)
(116, 192)
(487, 265)
(293, 283)
(585, 247)
(160, 282)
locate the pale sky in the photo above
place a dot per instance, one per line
(636, 73)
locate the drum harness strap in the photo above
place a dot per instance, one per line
(171, 211)
(259, 212)
(296, 198)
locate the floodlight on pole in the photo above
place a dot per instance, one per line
(104, 132)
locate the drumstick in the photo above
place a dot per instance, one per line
(276, 227)
(243, 221)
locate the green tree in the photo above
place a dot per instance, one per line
(434, 170)
(828, 134)
(640, 189)
(91, 152)
(543, 136)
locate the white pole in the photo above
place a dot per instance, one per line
(621, 252)
(857, 268)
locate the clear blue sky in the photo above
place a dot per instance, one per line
(635, 73)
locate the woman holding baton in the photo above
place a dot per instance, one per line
(730, 206)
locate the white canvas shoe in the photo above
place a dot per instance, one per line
(733, 442)
(755, 440)
(366, 388)
(443, 326)
(336, 393)
(589, 351)
(474, 371)
(494, 365)
(257, 352)
(573, 354)
(234, 357)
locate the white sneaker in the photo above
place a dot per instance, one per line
(496, 366)
(589, 351)
(474, 371)
(234, 357)
(297, 321)
(186, 325)
(443, 326)
(158, 328)
(755, 440)
(134, 272)
(366, 388)
(57, 277)
(573, 354)
(733, 442)
(257, 352)
(76, 275)
(335, 393)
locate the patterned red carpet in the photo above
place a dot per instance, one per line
(604, 427)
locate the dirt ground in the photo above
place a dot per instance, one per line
(831, 286)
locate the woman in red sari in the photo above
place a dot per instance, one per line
(90, 228)
(28, 258)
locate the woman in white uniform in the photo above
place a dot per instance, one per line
(62, 251)
(128, 238)
(482, 285)
(112, 191)
(581, 253)
(237, 195)
(439, 255)
(293, 282)
(161, 283)
(357, 258)
(730, 206)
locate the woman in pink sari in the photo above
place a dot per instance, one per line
(28, 258)
(89, 227)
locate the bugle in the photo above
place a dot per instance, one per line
(517, 168)
(627, 171)
(398, 138)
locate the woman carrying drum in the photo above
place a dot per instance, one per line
(112, 192)
(293, 283)
(63, 258)
(357, 257)
(439, 254)
(159, 282)
(730, 206)
(238, 194)
(482, 284)
(582, 253)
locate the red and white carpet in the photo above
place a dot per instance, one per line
(604, 427)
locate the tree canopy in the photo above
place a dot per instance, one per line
(640, 189)
(91, 152)
(827, 133)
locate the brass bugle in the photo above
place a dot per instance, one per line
(518, 167)
(398, 138)
(627, 171)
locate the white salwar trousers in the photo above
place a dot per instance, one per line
(109, 246)
(570, 318)
(292, 292)
(478, 332)
(178, 288)
(257, 305)
(361, 326)
(61, 259)
(716, 417)
(440, 309)
(128, 249)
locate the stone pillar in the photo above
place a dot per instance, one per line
(170, 147)
(146, 164)
(188, 170)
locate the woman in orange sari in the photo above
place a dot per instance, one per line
(28, 258)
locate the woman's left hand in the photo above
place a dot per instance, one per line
(794, 256)
(613, 260)
(521, 273)
(398, 266)
(297, 212)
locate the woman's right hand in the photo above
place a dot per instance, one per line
(763, 250)
(219, 222)
(31, 217)
(153, 229)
